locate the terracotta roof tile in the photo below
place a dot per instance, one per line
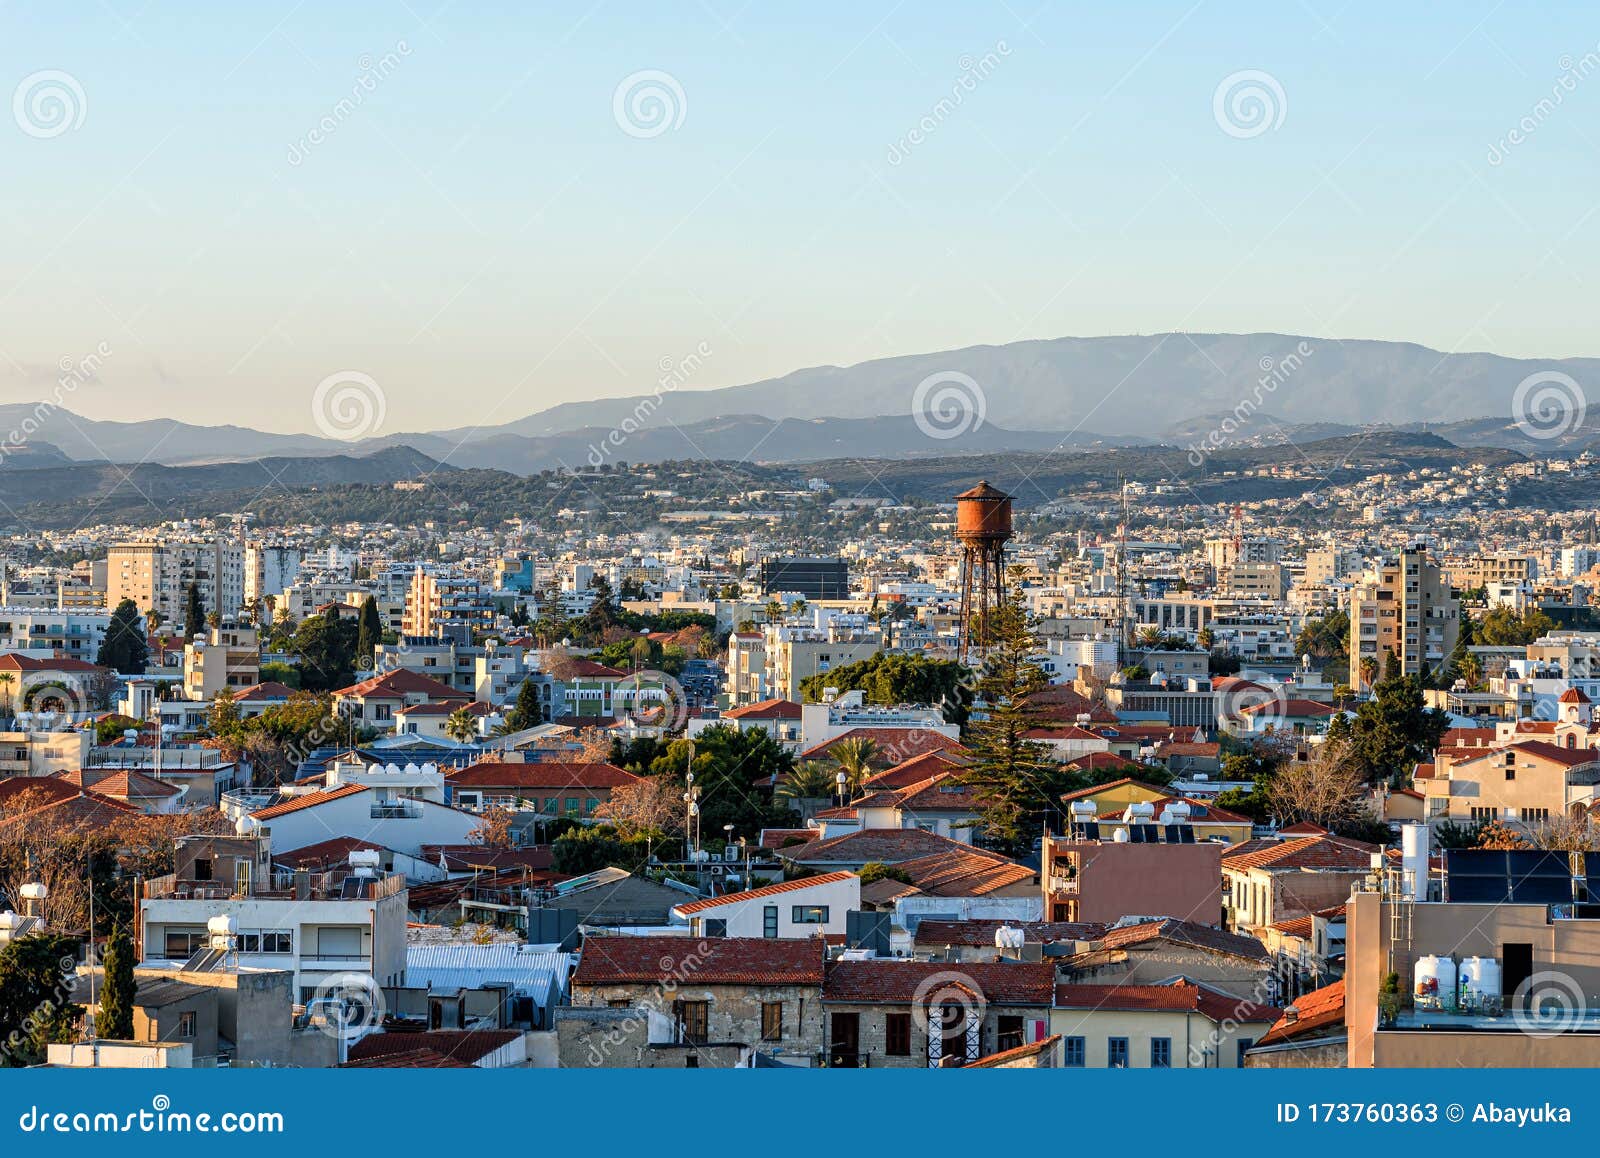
(551, 774)
(309, 800)
(691, 907)
(610, 960)
(899, 982)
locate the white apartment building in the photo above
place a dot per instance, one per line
(317, 925)
(268, 569)
(75, 632)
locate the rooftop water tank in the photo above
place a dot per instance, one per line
(1435, 983)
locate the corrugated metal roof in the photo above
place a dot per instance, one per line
(529, 970)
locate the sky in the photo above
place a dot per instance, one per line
(216, 208)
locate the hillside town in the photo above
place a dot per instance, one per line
(987, 784)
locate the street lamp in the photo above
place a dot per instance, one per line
(840, 780)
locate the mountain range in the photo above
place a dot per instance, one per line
(1063, 393)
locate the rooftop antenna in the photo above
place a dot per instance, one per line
(1122, 574)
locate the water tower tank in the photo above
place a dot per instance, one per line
(983, 515)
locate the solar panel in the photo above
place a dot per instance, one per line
(1172, 833)
(204, 961)
(1186, 833)
(1518, 876)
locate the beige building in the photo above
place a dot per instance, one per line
(1544, 1011)
(1178, 1025)
(1403, 608)
(229, 657)
(794, 654)
(1469, 572)
(157, 575)
(1525, 784)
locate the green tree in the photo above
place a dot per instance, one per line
(1392, 731)
(587, 848)
(875, 870)
(194, 614)
(892, 678)
(369, 632)
(527, 712)
(35, 997)
(115, 1020)
(733, 772)
(125, 648)
(1016, 780)
(810, 780)
(1503, 627)
(326, 645)
(854, 757)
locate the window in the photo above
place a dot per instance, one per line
(1073, 1052)
(1536, 815)
(202, 868)
(550, 803)
(590, 804)
(1483, 813)
(277, 942)
(714, 927)
(772, 1021)
(695, 1020)
(809, 915)
(618, 1003)
(769, 921)
(897, 1034)
(1117, 1053)
(186, 1025)
(1161, 1053)
(1008, 1032)
(1244, 1047)
(572, 803)
(183, 944)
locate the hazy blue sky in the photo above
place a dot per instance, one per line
(481, 236)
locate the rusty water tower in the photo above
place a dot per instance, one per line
(983, 527)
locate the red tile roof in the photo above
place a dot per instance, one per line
(916, 770)
(551, 774)
(12, 661)
(1190, 933)
(569, 667)
(774, 837)
(1307, 852)
(411, 1059)
(1177, 996)
(399, 683)
(887, 845)
(1015, 1054)
(899, 982)
(1318, 1010)
(979, 934)
(691, 907)
(309, 800)
(774, 709)
(895, 745)
(610, 960)
(266, 690)
(334, 851)
(964, 872)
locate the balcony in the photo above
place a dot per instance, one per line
(396, 810)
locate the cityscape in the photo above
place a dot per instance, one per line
(1079, 551)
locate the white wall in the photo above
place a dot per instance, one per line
(748, 918)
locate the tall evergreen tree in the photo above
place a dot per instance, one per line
(194, 614)
(1018, 783)
(369, 633)
(117, 997)
(124, 648)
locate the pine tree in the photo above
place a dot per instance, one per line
(528, 713)
(117, 998)
(194, 614)
(1018, 784)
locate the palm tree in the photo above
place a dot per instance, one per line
(807, 784)
(774, 611)
(1369, 670)
(462, 725)
(854, 758)
(6, 680)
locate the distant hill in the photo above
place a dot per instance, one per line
(143, 493)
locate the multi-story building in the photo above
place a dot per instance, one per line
(1404, 608)
(268, 569)
(435, 599)
(317, 925)
(75, 632)
(157, 575)
(228, 657)
(1469, 572)
(1087, 878)
(810, 578)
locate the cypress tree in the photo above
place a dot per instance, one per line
(117, 998)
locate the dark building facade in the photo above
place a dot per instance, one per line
(813, 577)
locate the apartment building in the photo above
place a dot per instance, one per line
(1523, 784)
(269, 568)
(1469, 572)
(156, 575)
(315, 925)
(435, 599)
(793, 654)
(1404, 608)
(228, 657)
(1087, 878)
(74, 632)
